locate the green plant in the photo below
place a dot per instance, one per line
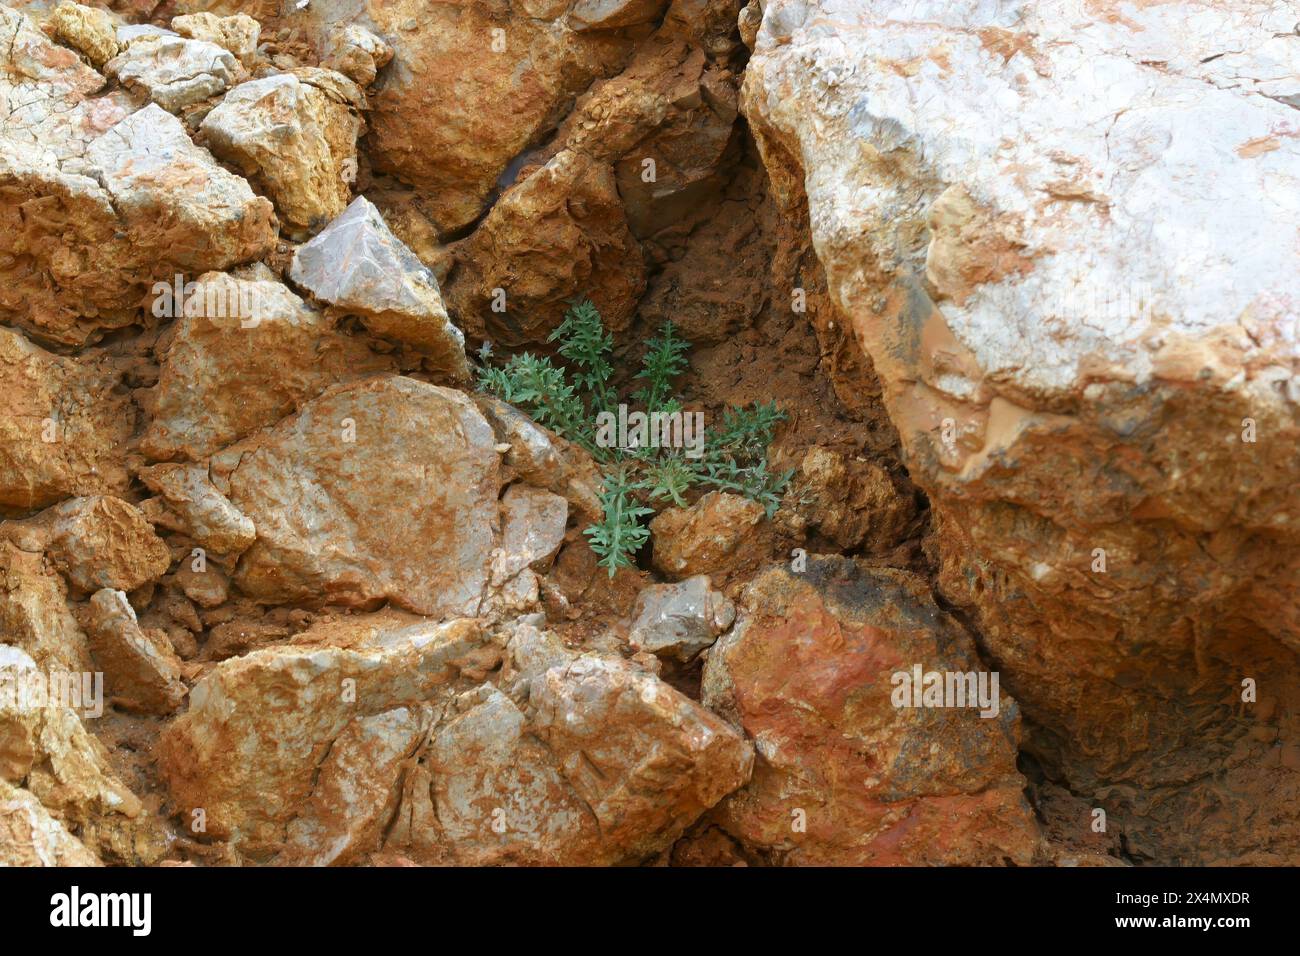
(571, 400)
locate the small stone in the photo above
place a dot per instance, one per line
(679, 620)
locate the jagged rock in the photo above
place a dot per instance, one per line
(356, 53)
(204, 513)
(172, 71)
(705, 537)
(643, 757)
(62, 428)
(358, 267)
(845, 776)
(226, 374)
(141, 671)
(679, 620)
(612, 14)
(488, 768)
(252, 768)
(29, 836)
(34, 613)
(1083, 316)
(124, 197)
(586, 761)
(852, 500)
(533, 523)
(238, 33)
(89, 30)
(559, 233)
(381, 490)
(357, 788)
(295, 138)
(542, 458)
(45, 746)
(668, 124)
(515, 72)
(97, 542)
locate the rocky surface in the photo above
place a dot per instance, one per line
(1019, 277)
(1077, 326)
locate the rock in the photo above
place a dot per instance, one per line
(487, 768)
(226, 374)
(97, 542)
(558, 234)
(533, 525)
(63, 426)
(45, 746)
(514, 73)
(205, 514)
(358, 267)
(356, 53)
(89, 30)
(852, 500)
(703, 538)
(586, 761)
(29, 836)
(295, 139)
(381, 490)
(679, 620)
(128, 33)
(172, 71)
(357, 789)
(1102, 411)
(141, 671)
(643, 757)
(206, 588)
(126, 199)
(34, 615)
(845, 776)
(253, 768)
(668, 125)
(612, 14)
(238, 33)
(544, 459)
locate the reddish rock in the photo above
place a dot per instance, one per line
(843, 775)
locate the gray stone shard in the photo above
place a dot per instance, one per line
(357, 266)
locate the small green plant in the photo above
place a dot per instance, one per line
(570, 400)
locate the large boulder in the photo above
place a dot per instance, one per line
(1062, 233)
(848, 772)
